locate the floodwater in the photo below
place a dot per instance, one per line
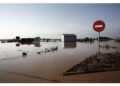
(47, 61)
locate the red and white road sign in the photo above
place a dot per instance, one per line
(99, 26)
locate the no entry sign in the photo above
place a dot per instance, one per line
(99, 26)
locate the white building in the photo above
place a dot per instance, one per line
(68, 38)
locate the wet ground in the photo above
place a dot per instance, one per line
(48, 61)
(103, 63)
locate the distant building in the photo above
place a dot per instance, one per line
(68, 38)
(27, 40)
(30, 40)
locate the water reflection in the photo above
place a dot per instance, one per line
(69, 44)
(118, 47)
(108, 47)
(24, 53)
(26, 43)
(17, 45)
(36, 44)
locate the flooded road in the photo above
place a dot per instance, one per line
(47, 61)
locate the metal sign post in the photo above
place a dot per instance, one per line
(98, 58)
(99, 26)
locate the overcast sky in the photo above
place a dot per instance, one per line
(52, 20)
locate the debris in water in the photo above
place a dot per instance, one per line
(38, 52)
(17, 45)
(24, 54)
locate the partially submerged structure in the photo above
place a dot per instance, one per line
(68, 38)
(28, 40)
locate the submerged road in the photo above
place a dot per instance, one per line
(30, 76)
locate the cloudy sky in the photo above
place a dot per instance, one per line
(52, 20)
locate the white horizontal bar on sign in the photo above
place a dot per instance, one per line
(97, 26)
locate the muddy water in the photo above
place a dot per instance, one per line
(49, 66)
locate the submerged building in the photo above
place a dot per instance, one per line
(68, 38)
(30, 40)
